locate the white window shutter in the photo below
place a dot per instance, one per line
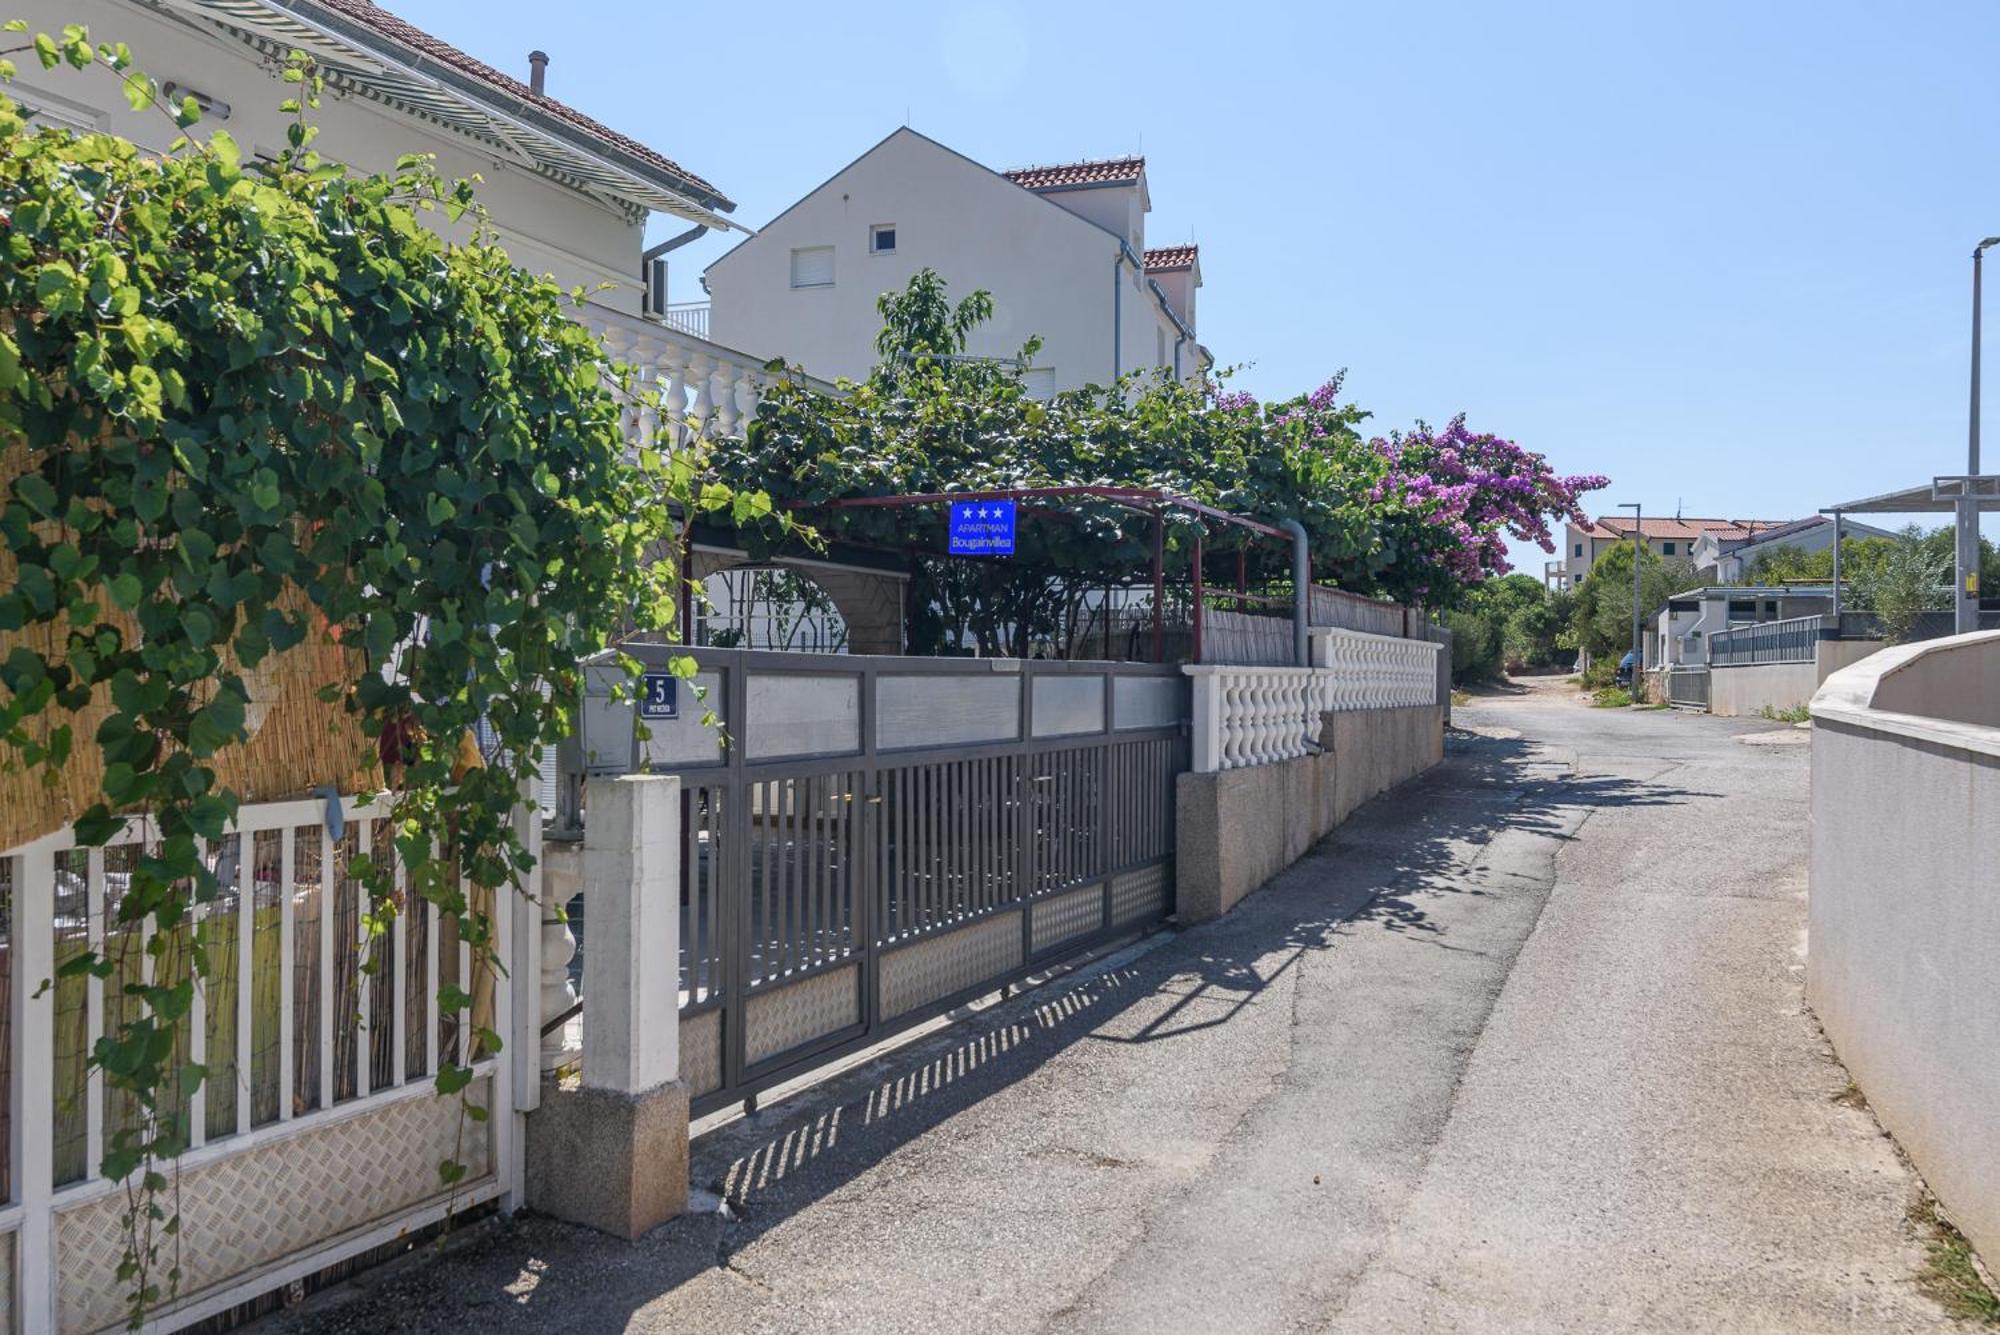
(812, 266)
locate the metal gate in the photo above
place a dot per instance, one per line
(1687, 687)
(869, 841)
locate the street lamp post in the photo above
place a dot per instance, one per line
(1965, 597)
(1638, 550)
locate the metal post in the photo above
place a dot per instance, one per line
(1836, 571)
(1966, 595)
(1972, 425)
(1965, 591)
(1159, 587)
(1301, 593)
(1638, 551)
(1196, 656)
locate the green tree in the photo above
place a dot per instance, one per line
(1913, 576)
(1420, 517)
(1601, 618)
(1505, 625)
(920, 323)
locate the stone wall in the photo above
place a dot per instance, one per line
(1238, 828)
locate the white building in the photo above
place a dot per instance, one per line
(568, 196)
(1727, 559)
(1682, 630)
(1062, 250)
(1672, 539)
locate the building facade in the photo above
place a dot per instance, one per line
(1062, 250)
(1674, 539)
(568, 196)
(1726, 560)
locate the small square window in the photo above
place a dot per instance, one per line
(1666, 549)
(882, 238)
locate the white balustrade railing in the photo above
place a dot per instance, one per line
(705, 388)
(1253, 715)
(1367, 671)
(1261, 715)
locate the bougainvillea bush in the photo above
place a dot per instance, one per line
(1419, 516)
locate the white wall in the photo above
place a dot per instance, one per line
(1050, 271)
(1751, 688)
(1180, 286)
(544, 226)
(1118, 209)
(1903, 918)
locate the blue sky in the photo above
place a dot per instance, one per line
(1718, 251)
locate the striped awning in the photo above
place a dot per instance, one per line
(361, 61)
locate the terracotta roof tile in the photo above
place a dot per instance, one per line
(1620, 526)
(408, 34)
(1172, 257)
(1061, 176)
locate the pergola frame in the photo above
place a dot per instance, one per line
(1965, 497)
(1141, 500)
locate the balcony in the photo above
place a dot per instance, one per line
(708, 389)
(690, 317)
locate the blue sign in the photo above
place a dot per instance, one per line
(660, 696)
(982, 528)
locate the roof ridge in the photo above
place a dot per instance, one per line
(1136, 158)
(1088, 171)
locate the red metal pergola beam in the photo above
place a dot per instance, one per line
(1143, 499)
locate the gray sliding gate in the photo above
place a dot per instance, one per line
(881, 838)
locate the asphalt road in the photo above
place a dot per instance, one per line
(1522, 1047)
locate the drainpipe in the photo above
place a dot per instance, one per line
(1117, 310)
(1177, 357)
(1301, 591)
(656, 291)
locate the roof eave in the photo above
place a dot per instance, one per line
(707, 201)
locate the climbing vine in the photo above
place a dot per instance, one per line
(1420, 516)
(244, 404)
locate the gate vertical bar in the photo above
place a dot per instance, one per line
(1025, 724)
(34, 1076)
(872, 865)
(735, 954)
(1107, 794)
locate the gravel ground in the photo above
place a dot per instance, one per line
(1522, 1047)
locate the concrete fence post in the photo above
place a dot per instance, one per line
(631, 967)
(1207, 758)
(611, 1151)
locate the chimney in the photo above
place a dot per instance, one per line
(538, 69)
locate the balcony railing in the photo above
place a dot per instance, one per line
(690, 317)
(1795, 640)
(705, 388)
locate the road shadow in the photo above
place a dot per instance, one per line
(1383, 870)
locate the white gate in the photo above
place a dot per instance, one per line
(317, 1135)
